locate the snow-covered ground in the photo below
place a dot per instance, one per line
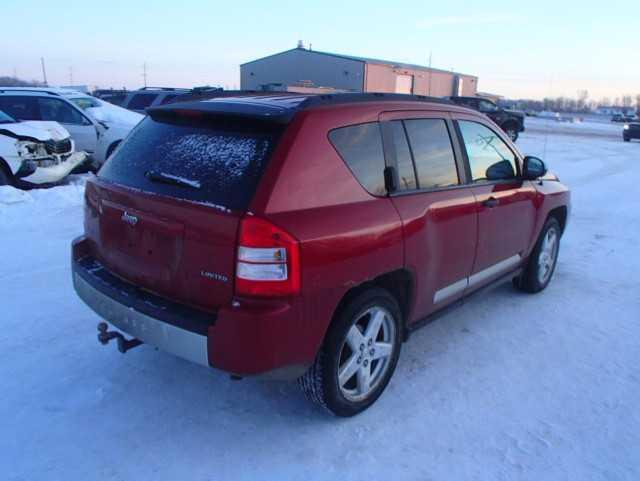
(511, 386)
(589, 127)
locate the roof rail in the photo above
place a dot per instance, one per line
(42, 90)
(169, 89)
(199, 93)
(342, 98)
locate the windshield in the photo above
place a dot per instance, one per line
(6, 119)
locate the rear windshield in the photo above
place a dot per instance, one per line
(214, 163)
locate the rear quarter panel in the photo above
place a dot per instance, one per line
(347, 236)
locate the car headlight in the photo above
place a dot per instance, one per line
(626, 126)
(31, 150)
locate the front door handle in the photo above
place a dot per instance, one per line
(491, 202)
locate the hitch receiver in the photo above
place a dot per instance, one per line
(104, 336)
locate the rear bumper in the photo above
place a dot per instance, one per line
(261, 338)
(180, 342)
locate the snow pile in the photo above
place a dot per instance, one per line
(10, 195)
(511, 386)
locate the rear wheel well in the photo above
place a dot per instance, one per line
(399, 283)
(560, 214)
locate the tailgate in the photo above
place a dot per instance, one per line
(164, 210)
(179, 250)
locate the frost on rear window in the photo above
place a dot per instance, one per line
(209, 165)
(194, 156)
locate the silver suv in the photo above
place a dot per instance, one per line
(139, 100)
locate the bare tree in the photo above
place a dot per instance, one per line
(16, 82)
(583, 95)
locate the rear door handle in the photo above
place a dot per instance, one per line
(491, 202)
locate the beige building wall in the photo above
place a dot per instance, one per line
(383, 78)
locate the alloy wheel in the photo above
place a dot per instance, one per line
(366, 353)
(548, 255)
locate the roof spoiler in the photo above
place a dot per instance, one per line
(222, 110)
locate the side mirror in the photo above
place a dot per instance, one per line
(534, 168)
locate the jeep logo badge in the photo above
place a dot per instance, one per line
(129, 219)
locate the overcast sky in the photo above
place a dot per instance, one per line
(520, 48)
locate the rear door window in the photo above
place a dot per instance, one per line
(213, 163)
(57, 110)
(141, 101)
(406, 170)
(361, 148)
(432, 153)
(20, 108)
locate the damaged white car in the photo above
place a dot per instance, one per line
(35, 152)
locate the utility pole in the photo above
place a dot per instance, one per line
(70, 75)
(430, 58)
(44, 72)
(144, 73)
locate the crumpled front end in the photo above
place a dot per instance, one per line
(38, 152)
(44, 162)
(51, 170)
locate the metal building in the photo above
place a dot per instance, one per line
(303, 67)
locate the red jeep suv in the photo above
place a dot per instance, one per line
(305, 237)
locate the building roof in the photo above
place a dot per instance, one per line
(364, 60)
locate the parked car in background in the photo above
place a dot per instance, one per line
(113, 96)
(631, 131)
(511, 121)
(139, 100)
(49, 104)
(117, 121)
(35, 152)
(628, 117)
(304, 236)
(96, 127)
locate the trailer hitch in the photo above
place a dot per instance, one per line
(124, 344)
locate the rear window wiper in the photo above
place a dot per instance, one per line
(165, 178)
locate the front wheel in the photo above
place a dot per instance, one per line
(358, 356)
(543, 260)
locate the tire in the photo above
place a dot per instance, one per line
(626, 139)
(543, 259)
(321, 384)
(4, 178)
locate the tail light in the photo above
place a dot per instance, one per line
(268, 260)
